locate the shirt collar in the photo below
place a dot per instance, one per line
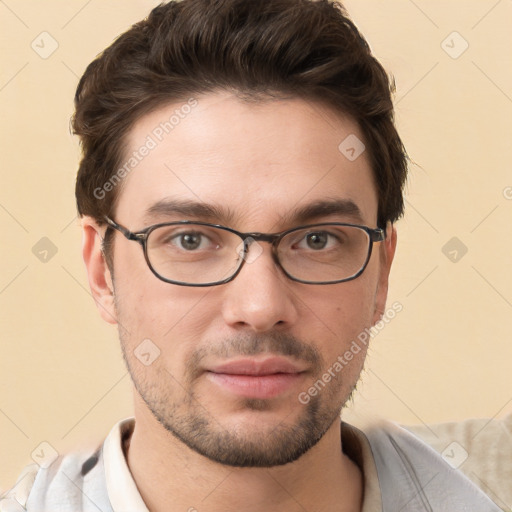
(125, 497)
(122, 490)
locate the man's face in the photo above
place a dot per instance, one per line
(257, 165)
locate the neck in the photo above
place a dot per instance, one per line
(171, 477)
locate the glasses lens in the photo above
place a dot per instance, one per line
(324, 253)
(193, 253)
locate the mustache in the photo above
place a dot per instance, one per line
(246, 344)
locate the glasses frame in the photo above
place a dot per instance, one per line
(374, 235)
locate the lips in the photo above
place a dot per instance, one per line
(256, 367)
(252, 378)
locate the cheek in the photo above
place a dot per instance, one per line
(163, 313)
(144, 302)
(351, 309)
(173, 318)
(345, 319)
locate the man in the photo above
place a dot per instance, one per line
(240, 180)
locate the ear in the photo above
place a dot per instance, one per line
(386, 255)
(100, 279)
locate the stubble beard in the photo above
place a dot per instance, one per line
(189, 419)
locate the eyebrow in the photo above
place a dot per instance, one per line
(220, 215)
(188, 209)
(327, 208)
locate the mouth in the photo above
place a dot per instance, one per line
(253, 378)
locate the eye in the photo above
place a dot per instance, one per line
(191, 241)
(188, 241)
(318, 241)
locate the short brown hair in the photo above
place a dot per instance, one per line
(259, 49)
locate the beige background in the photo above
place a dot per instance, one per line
(446, 356)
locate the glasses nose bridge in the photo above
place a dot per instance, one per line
(249, 238)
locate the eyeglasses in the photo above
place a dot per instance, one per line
(190, 253)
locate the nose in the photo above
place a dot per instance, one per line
(260, 297)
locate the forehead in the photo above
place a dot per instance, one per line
(253, 162)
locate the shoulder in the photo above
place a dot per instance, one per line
(63, 483)
(75, 481)
(15, 499)
(413, 476)
(479, 448)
